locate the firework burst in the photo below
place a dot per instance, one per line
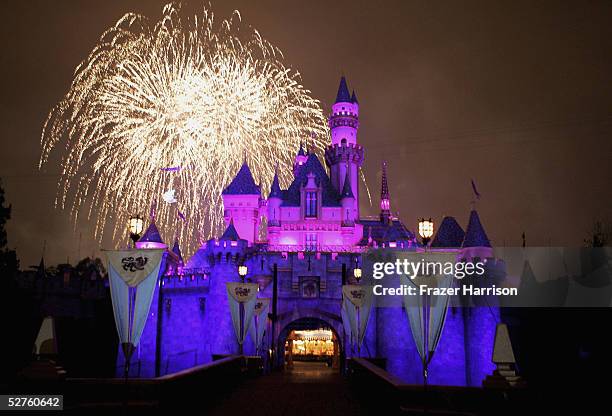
(186, 92)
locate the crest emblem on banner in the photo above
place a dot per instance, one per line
(261, 305)
(356, 294)
(132, 264)
(242, 292)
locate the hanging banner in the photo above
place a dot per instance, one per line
(133, 276)
(242, 299)
(427, 314)
(346, 323)
(357, 304)
(260, 315)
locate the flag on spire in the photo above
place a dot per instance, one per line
(476, 193)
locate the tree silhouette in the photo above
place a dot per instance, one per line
(8, 258)
(600, 236)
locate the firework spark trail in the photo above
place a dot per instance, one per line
(184, 91)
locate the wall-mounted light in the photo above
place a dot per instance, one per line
(357, 274)
(135, 227)
(426, 230)
(242, 271)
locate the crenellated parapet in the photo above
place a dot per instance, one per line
(348, 118)
(343, 153)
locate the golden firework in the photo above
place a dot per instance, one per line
(183, 91)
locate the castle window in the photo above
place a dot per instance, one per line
(309, 287)
(311, 204)
(311, 242)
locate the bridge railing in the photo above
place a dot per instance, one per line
(199, 386)
(384, 393)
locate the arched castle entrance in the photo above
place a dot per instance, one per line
(310, 340)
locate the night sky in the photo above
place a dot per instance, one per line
(516, 95)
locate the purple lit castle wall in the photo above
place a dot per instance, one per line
(315, 238)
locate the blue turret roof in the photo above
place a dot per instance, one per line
(230, 232)
(449, 234)
(330, 197)
(177, 250)
(354, 98)
(475, 235)
(343, 92)
(384, 232)
(243, 183)
(275, 190)
(151, 235)
(347, 191)
(40, 272)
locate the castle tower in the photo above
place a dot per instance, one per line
(476, 244)
(479, 321)
(225, 254)
(344, 156)
(242, 203)
(348, 203)
(385, 203)
(275, 199)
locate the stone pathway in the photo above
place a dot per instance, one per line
(309, 389)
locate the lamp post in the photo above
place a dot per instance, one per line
(242, 272)
(135, 226)
(426, 229)
(357, 273)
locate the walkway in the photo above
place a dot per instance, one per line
(309, 389)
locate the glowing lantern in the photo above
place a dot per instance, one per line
(357, 273)
(426, 230)
(135, 227)
(242, 271)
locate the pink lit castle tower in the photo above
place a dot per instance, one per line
(344, 156)
(320, 212)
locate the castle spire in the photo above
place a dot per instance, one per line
(347, 192)
(343, 95)
(385, 205)
(230, 232)
(275, 190)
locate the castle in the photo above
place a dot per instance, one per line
(315, 239)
